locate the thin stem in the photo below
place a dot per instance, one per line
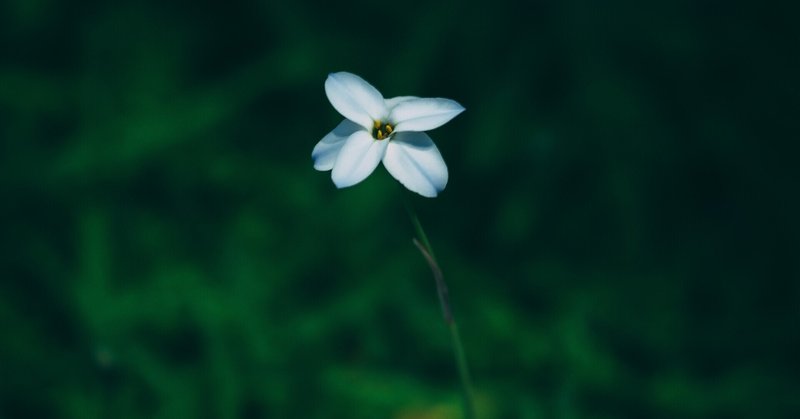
(421, 233)
(444, 299)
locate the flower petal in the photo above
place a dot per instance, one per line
(413, 159)
(392, 102)
(355, 99)
(423, 114)
(325, 152)
(358, 157)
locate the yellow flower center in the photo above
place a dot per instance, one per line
(381, 131)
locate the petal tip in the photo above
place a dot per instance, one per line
(457, 107)
(321, 167)
(341, 183)
(433, 195)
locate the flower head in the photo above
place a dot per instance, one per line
(383, 130)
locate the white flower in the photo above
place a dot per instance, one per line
(388, 130)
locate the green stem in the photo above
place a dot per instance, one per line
(424, 247)
(463, 372)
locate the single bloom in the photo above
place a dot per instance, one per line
(383, 130)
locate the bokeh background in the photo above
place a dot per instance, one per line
(619, 234)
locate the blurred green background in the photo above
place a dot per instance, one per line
(619, 233)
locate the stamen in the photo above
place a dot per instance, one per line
(381, 131)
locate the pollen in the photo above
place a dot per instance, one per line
(381, 131)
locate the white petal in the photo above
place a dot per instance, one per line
(423, 114)
(358, 157)
(392, 102)
(413, 159)
(355, 99)
(325, 152)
